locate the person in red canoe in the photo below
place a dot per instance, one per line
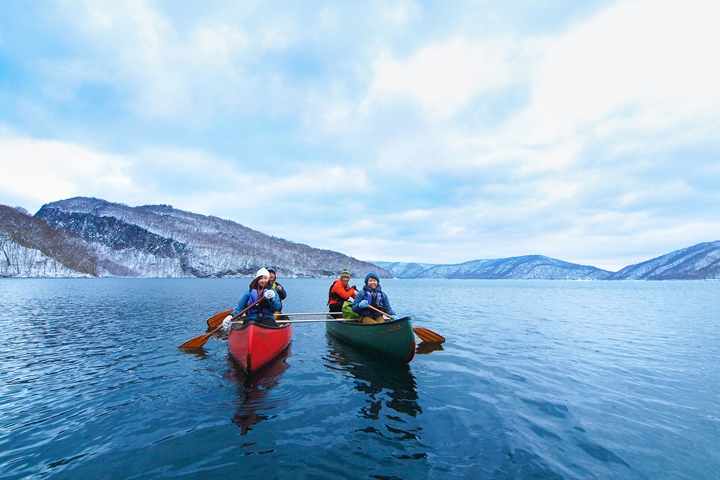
(263, 311)
(341, 292)
(372, 295)
(278, 288)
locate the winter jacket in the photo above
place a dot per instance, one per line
(339, 294)
(265, 309)
(375, 297)
(282, 293)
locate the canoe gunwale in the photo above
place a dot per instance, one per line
(358, 324)
(237, 326)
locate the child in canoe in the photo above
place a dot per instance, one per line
(372, 296)
(264, 311)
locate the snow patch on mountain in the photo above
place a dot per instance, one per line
(525, 267)
(701, 261)
(22, 262)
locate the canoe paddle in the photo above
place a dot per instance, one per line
(200, 340)
(425, 334)
(216, 320)
(428, 335)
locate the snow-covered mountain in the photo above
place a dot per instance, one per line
(161, 241)
(30, 248)
(526, 267)
(698, 262)
(701, 261)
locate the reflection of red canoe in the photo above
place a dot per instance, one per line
(253, 345)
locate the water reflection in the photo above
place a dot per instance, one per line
(254, 390)
(200, 353)
(428, 347)
(384, 381)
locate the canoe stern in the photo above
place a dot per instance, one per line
(394, 339)
(253, 345)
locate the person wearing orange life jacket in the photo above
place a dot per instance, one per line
(340, 292)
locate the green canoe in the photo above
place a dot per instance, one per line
(394, 339)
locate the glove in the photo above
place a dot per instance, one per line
(227, 322)
(269, 294)
(355, 288)
(363, 304)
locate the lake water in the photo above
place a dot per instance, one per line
(537, 379)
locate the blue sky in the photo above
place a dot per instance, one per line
(435, 132)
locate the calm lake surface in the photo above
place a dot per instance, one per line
(537, 379)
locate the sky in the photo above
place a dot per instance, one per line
(431, 132)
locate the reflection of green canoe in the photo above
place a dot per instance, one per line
(393, 339)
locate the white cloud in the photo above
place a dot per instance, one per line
(41, 170)
(648, 61)
(397, 14)
(641, 67)
(161, 72)
(443, 77)
(36, 172)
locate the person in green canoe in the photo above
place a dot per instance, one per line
(372, 296)
(341, 292)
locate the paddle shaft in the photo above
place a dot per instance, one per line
(217, 319)
(200, 340)
(248, 308)
(380, 311)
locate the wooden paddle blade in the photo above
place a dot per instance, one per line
(216, 320)
(200, 340)
(428, 335)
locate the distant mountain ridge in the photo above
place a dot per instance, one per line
(93, 237)
(525, 267)
(699, 262)
(160, 241)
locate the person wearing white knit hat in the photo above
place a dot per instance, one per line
(264, 311)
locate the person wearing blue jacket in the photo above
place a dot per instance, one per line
(264, 311)
(372, 295)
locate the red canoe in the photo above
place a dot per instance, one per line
(253, 345)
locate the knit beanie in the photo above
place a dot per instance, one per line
(345, 273)
(372, 275)
(263, 272)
